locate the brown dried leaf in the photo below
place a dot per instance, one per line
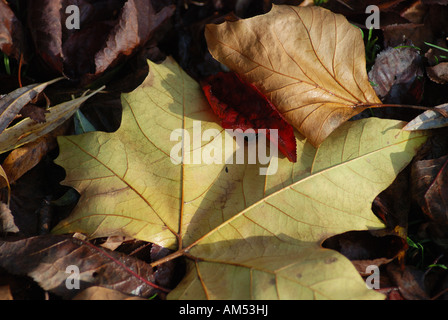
(394, 72)
(21, 160)
(415, 13)
(45, 25)
(438, 73)
(308, 61)
(136, 25)
(109, 33)
(46, 258)
(410, 282)
(432, 29)
(364, 248)
(33, 112)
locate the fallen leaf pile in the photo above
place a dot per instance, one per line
(253, 233)
(126, 173)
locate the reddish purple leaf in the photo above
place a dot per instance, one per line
(240, 105)
(396, 74)
(46, 258)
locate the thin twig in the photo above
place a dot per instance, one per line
(19, 76)
(170, 257)
(439, 294)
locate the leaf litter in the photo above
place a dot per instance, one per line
(267, 222)
(228, 217)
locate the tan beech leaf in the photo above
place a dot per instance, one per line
(308, 61)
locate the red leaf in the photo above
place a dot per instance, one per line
(240, 105)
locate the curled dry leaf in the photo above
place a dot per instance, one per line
(396, 74)
(432, 29)
(47, 31)
(308, 61)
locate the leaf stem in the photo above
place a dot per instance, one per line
(443, 112)
(123, 266)
(174, 255)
